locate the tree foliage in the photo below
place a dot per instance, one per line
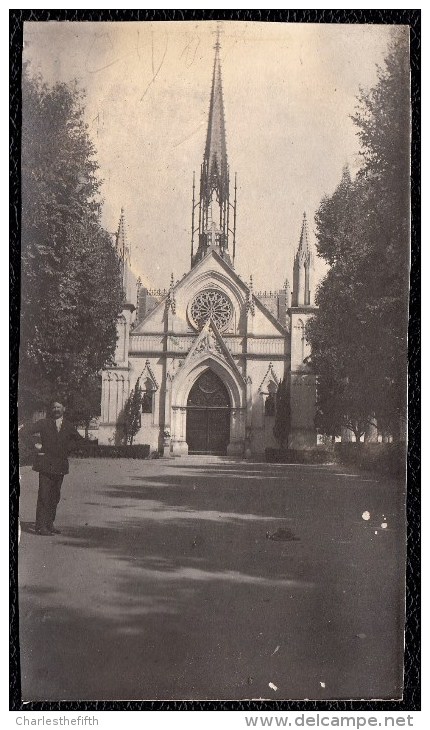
(131, 417)
(281, 427)
(70, 279)
(359, 335)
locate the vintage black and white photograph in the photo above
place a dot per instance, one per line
(212, 393)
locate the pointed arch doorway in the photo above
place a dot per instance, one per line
(208, 415)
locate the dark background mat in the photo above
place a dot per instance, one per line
(411, 696)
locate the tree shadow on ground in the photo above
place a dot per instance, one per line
(193, 625)
(182, 596)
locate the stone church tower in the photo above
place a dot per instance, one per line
(302, 380)
(209, 352)
(214, 205)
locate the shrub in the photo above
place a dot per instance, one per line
(296, 456)
(389, 459)
(94, 450)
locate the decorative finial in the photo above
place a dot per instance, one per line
(171, 301)
(304, 215)
(250, 306)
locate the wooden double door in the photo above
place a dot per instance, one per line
(208, 416)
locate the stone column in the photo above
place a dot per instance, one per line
(237, 432)
(107, 426)
(248, 401)
(155, 399)
(183, 412)
(248, 423)
(106, 378)
(112, 399)
(168, 402)
(173, 424)
(179, 445)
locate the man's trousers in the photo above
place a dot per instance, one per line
(47, 500)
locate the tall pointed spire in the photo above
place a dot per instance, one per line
(215, 156)
(214, 202)
(303, 269)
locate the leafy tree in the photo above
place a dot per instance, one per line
(281, 427)
(70, 279)
(131, 419)
(359, 335)
(383, 122)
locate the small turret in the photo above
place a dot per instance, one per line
(302, 294)
(123, 249)
(122, 244)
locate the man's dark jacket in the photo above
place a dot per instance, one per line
(56, 445)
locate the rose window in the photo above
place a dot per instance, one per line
(211, 304)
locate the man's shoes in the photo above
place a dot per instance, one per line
(55, 531)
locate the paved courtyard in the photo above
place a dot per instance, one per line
(166, 583)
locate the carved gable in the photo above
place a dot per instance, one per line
(211, 287)
(210, 342)
(147, 377)
(270, 381)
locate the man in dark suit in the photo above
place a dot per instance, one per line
(56, 437)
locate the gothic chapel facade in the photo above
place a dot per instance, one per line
(209, 352)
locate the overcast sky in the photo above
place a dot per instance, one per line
(288, 92)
